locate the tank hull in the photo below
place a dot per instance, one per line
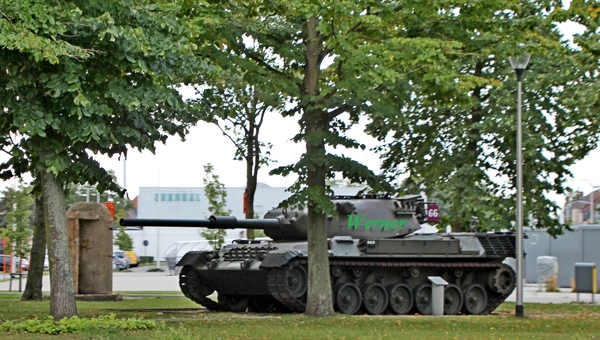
(374, 276)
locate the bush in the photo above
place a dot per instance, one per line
(76, 324)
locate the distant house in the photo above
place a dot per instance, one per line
(578, 211)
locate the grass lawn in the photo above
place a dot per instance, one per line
(542, 321)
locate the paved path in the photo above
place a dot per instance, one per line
(141, 280)
(122, 281)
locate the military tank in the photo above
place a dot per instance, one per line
(380, 261)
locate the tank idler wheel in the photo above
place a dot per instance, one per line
(502, 280)
(234, 303)
(262, 304)
(453, 300)
(191, 286)
(475, 299)
(297, 281)
(375, 298)
(401, 299)
(348, 298)
(188, 277)
(423, 299)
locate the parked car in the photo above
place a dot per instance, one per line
(119, 263)
(6, 259)
(130, 256)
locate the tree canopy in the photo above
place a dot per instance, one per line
(458, 144)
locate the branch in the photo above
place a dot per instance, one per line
(240, 149)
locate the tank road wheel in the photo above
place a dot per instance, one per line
(234, 303)
(401, 299)
(453, 300)
(475, 299)
(423, 299)
(347, 298)
(375, 298)
(297, 281)
(503, 280)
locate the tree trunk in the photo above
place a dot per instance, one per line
(33, 287)
(251, 176)
(62, 294)
(315, 121)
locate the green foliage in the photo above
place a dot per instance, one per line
(118, 92)
(18, 230)
(457, 141)
(216, 195)
(123, 241)
(359, 52)
(77, 325)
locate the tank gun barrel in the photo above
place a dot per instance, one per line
(213, 222)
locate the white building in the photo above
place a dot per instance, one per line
(190, 203)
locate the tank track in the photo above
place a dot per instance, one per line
(189, 282)
(494, 300)
(278, 277)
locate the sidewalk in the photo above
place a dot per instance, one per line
(532, 294)
(141, 280)
(122, 281)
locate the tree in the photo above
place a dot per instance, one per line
(18, 224)
(334, 61)
(238, 107)
(216, 195)
(33, 287)
(458, 143)
(83, 77)
(123, 241)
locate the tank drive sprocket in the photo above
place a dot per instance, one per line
(503, 280)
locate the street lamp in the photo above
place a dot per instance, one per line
(519, 64)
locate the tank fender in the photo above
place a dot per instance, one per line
(197, 258)
(280, 259)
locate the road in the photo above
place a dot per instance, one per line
(139, 279)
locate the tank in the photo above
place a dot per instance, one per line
(381, 261)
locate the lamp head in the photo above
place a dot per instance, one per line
(519, 62)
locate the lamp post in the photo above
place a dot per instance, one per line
(592, 205)
(519, 64)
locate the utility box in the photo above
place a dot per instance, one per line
(437, 294)
(90, 247)
(585, 279)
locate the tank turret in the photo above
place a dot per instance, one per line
(373, 216)
(379, 261)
